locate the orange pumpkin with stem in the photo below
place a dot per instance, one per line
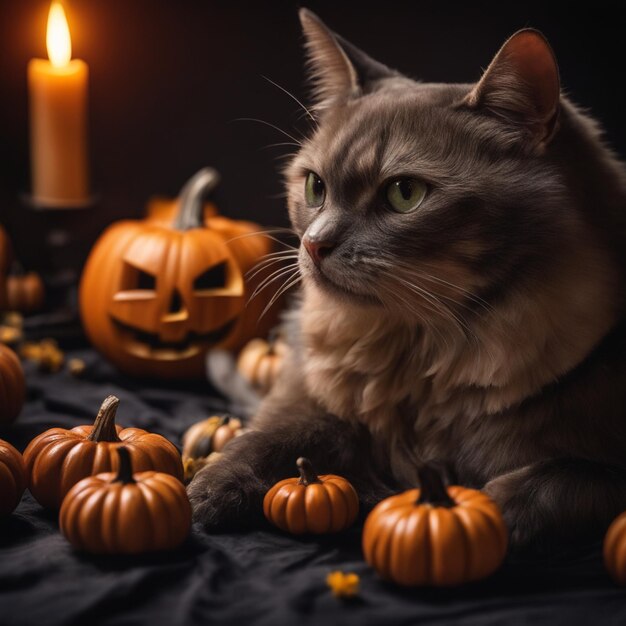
(435, 535)
(155, 296)
(58, 458)
(311, 503)
(125, 512)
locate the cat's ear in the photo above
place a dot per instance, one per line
(339, 70)
(521, 85)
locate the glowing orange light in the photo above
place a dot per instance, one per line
(58, 39)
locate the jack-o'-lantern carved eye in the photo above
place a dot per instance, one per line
(145, 280)
(136, 278)
(213, 278)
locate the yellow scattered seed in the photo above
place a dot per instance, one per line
(13, 319)
(343, 585)
(76, 367)
(46, 354)
(31, 350)
(10, 335)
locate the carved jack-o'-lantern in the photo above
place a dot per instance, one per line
(154, 297)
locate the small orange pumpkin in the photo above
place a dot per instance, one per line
(12, 385)
(614, 551)
(260, 362)
(126, 513)
(311, 503)
(58, 458)
(25, 292)
(13, 479)
(435, 536)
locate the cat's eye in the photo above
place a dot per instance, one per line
(406, 194)
(314, 190)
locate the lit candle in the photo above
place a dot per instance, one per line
(58, 120)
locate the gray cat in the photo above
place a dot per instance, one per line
(462, 261)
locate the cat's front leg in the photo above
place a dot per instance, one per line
(229, 492)
(558, 502)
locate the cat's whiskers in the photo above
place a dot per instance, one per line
(268, 234)
(280, 130)
(273, 277)
(468, 294)
(466, 328)
(288, 284)
(287, 155)
(302, 106)
(426, 304)
(459, 322)
(420, 276)
(441, 310)
(405, 306)
(440, 306)
(275, 255)
(278, 145)
(420, 273)
(267, 263)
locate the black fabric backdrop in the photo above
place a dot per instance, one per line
(261, 577)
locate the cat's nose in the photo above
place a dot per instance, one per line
(317, 249)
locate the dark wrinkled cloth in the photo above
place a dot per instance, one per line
(261, 577)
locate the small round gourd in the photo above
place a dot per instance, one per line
(434, 535)
(58, 458)
(311, 503)
(260, 362)
(614, 550)
(126, 513)
(206, 437)
(12, 385)
(25, 292)
(13, 479)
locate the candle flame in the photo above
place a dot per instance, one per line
(58, 36)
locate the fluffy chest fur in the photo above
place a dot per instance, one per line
(410, 385)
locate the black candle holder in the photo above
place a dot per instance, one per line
(55, 243)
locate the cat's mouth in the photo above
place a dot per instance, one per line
(323, 280)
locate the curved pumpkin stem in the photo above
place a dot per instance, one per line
(307, 473)
(190, 212)
(104, 424)
(125, 467)
(432, 489)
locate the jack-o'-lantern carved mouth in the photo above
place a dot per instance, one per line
(167, 322)
(145, 344)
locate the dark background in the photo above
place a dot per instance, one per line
(169, 79)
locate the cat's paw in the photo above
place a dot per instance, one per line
(225, 496)
(529, 530)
